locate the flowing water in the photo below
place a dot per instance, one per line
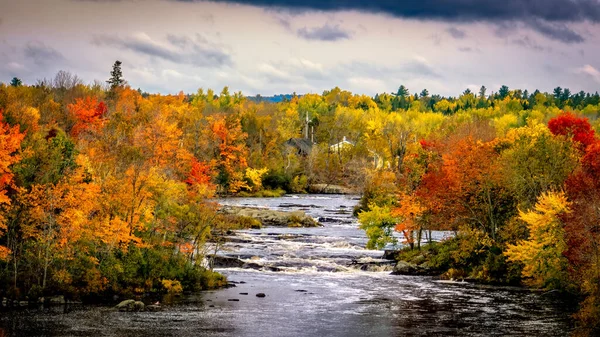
(318, 282)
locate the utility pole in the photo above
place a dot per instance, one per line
(306, 128)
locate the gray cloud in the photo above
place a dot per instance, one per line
(548, 17)
(456, 33)
(556, 31)
(415, 67)
(419, 68)
(41, 54)
(326, 32)
(178, 40)
(469, 10)
(181, 49)
(527, 42)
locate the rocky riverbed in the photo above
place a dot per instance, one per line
(272, 218)
(312, 281)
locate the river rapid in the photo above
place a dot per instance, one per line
(318, 282)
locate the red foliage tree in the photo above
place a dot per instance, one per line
(88, 113)
(200, 174)
(576, 128)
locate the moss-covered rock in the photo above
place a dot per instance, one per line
(272, 218)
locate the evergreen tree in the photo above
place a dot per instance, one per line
(482, 91)
(503, 92)
(557, 92)
(16, 82)
(116, 76)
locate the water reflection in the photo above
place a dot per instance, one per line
(315, 292)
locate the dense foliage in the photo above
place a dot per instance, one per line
(107, 189)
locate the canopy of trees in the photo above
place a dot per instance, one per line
(107, 189)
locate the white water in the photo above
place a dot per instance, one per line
(318, 291)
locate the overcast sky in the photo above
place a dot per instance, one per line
(269, 47)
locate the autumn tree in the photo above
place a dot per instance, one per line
(542, 255)
(575, 128)
(228, 151)
(88, 113)
(10, 144)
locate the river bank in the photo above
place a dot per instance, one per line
(315, 284)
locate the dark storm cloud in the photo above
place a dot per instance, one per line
(556, 31)
(475, 10)
(456, 33)
(547, 17)
(324, 33)
(41, 54)
(527, 42)
(181, 49)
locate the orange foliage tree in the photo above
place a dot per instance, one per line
(88, 113)
(10, 143)
(229, 151)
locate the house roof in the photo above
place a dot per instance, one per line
(341, 145)
(303, 145)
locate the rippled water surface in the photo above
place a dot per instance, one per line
(314, 286)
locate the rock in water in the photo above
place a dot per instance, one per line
(272, 218)
(126, 305)
(56, 300)
(405, 268)
(138, 306)
(130, 305)
(153, 307)
(330, 189)
(225, 261)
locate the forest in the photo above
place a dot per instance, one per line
(105, 189)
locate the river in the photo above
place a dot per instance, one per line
(314, 287)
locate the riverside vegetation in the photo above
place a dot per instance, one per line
(107, 190)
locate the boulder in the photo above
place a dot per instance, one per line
(138, 306)
(272, 218)
(407, 268)
(330, 189)
(219, 261)
(390, 254)
(126, 305)
(153, 307)
(130, 305)
(60, 299)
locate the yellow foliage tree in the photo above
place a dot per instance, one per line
(544, 264)
(255, 176)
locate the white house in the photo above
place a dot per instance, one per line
(339, 147)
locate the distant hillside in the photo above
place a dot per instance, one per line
(273, 99)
